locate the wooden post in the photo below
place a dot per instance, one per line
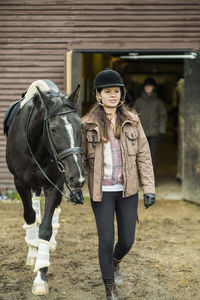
(191, 143)
(68, 72)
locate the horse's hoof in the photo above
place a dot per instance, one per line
(40, 289)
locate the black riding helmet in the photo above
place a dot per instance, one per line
(109, 78)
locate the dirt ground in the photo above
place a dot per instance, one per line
(163, 263)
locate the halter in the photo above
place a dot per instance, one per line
(57, 157)
(70, 151)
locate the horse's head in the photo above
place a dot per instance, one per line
(63, 129)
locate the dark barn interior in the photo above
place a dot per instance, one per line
(168, 74)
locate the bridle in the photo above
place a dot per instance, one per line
(57, 156)
(70, 151)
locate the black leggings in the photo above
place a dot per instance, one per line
(126, 213)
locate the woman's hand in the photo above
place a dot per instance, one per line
(149, 199)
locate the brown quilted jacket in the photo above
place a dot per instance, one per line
(135, 156)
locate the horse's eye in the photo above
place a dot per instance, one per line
(53, 130)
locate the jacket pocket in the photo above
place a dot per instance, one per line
(91, 143)
(92, 140)
(131, 142)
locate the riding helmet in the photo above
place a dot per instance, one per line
(108, 78)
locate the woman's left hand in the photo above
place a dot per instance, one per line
(149, 199)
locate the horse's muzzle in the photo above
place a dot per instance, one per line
(76, 182)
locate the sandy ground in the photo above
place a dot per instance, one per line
(163, 263)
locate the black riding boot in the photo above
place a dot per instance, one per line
(111, 292)
(117, 272)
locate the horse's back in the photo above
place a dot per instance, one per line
(45, 85)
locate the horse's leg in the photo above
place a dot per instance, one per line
(36, 207)
(55, 225)
(30, 224)
(52, 200)
(32, 251)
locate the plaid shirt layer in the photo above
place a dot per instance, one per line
(113, 172)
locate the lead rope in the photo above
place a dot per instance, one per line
(40, 168)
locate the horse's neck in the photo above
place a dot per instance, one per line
(36, 123)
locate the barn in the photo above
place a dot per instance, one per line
(69, 41)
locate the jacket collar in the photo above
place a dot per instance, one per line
(92, 120)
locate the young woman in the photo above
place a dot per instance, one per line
(115, 149)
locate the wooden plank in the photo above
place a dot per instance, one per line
(33, 69)
(71, 31)
(6, 181)
(54, 46)
(15, 86)
(12, 43)
(24, 81)
(31, 51)
(104, 23)
(101, 34)
(86, 12)
(108, 39)
(117, 17)
(45, 40)
(5, 172)
(90, 2)
(132, 45)
(7, 178)
(9, 99)
(27, 58)
(33, 63)
(101, 5)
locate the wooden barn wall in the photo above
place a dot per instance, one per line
(35, 34)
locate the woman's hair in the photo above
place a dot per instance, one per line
(104, 122)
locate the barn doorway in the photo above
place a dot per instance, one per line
(169, 76)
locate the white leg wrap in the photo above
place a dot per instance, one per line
(53, 243)
(55, 225)
(31, 257)
(55, 219)
(36, 207)
(42, 256)
(31, 234)
(40, 287)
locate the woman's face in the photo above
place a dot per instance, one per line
(110, 96)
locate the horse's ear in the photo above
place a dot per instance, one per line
(74, 96)
(44, 98)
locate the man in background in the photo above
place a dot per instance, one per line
(153, 116)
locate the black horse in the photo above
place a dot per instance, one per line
(44, 151)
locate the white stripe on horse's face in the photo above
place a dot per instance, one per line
(69, 129)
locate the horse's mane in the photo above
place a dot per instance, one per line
(45, 86)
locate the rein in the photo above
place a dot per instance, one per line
(57, 157)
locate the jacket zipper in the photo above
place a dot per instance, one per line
(125, 193)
